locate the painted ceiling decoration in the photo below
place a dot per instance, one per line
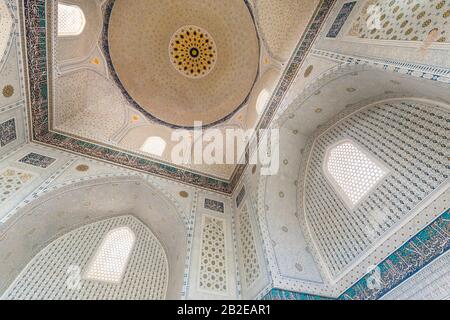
(89, 101)
(39, 46)
(168, 95)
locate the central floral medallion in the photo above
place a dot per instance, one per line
(193, 52)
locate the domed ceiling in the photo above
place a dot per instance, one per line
(142, 68)
(182, 61)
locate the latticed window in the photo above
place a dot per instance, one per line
(352, 171)
(111, 258)
(71, 20)
(154, 145)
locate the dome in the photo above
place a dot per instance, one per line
(184, 60)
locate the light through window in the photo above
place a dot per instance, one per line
(352, 172)
(154, 145)
(71, 20)
(111, 258)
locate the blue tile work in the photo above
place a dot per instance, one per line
(341, 19)
(277, 294)
(214, 205)
(419, 251)
(37, 160)
(240, 197)
(7, 132)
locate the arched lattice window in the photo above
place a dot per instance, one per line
(71, 20)
(352, 171)
(111, 258)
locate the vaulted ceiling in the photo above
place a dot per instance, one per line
(139, 72)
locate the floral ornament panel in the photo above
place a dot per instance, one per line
(11, 181)
(37, 160)
(409, 20)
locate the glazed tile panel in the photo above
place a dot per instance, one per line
(278, 294)
(422, 249)
(430, 283)
(37, 160)
(36, 41)
(408, 20)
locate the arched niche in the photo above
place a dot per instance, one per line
(7, 27)
(69, 207)
(115, 258)
(261, 96)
